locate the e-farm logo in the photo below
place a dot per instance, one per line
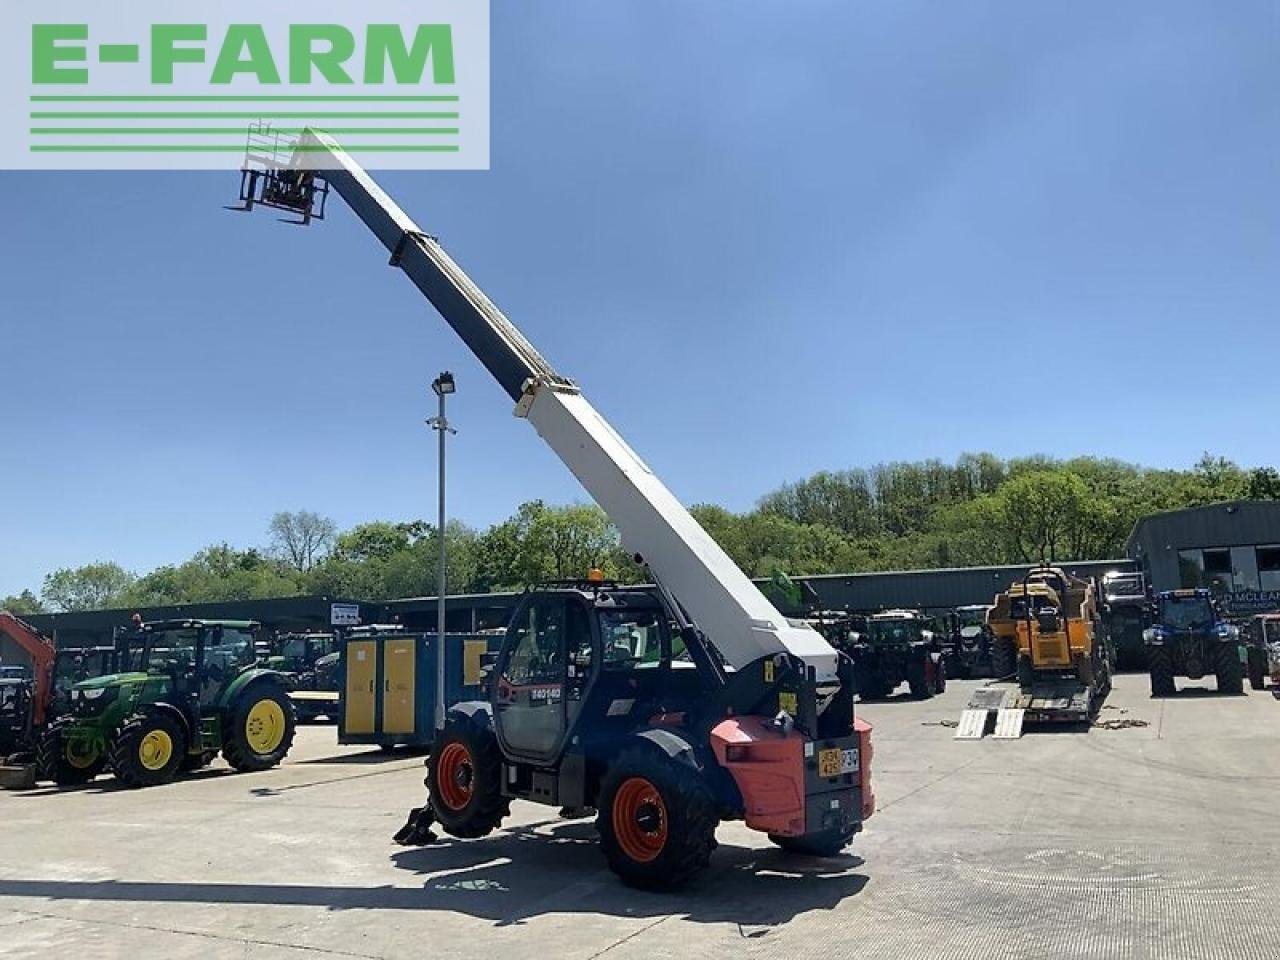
(138, 85)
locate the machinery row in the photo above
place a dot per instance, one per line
(662, 710)
(1051, 643)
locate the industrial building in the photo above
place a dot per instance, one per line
(1231, 548)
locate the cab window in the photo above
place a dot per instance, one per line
(535, 652)
(630, 638)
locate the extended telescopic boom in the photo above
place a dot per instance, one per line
(726, 606)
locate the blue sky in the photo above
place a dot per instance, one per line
(766, 238)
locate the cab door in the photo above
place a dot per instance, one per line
(398, 676)
(546, 661)
(360, 696)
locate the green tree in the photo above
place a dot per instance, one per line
(216, 573)
(22, 604)
(1264, 483)
(302, 538)
(94, 586)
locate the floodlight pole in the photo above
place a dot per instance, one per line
(442, 385)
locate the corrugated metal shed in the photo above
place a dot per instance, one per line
(95, 627)
(1156, 539)
(934, 589)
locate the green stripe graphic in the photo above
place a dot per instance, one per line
(168, 115)
(237, 131)
(229, 148)
(173, 98)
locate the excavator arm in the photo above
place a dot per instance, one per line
(42, 652)
(721, 601)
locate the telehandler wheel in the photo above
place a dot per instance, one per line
(1004, 657)
(148, 750)
(61, 762)
(1257, 669)
(464, 781)
(1160, 666)
(1230, 670)
(657, 820)
(261, 728)
(825, 843)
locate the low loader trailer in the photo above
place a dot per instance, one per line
(1047, 626)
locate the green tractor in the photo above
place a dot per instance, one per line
(188, 689)
(309, 663)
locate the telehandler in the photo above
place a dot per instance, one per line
(665, 710)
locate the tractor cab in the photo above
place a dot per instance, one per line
(1185, 611)
(72, 665)
(297, 653)
(17, 685)
(898, 628)
(968, 641)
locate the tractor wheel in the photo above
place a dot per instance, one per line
(825, 843)
(1257, 669)
(66, 768)
(261, 729)
(1160, 666)
(1004, 657)
(657, 820)
(1230, 670)
(464, 781)
(918, 678)
(148, 750)
(197, 761)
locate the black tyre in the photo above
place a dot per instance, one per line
(148, 750)
(464, 781)
(1026, 672)
(869, 683)
(1257, 669)
(827, 843)
(1004, 657)
(940, 676)
(197, 761)
(657, 820)
(1160, 666)
(260, 728)
(1230, 670)
(918, 678)
(66, 769)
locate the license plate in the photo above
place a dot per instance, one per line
(835, 762)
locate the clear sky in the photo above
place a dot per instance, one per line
(766, 238)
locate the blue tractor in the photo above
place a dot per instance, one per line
(1190, 638)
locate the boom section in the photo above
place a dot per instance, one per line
(724, 604)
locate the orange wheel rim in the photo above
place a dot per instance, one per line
(456, 775)
(640, 820)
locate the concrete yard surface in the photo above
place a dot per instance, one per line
(1153, 841)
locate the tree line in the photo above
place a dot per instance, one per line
(894, 516)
